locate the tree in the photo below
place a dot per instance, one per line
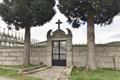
(27, 14)
(91, 12)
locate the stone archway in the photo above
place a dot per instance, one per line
(63, 57)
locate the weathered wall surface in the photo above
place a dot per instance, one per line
(15, 56)
(104, 56)
(38, 55)
(11, 56)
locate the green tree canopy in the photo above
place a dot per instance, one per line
(103, 11)
(27, 14)
(22, 13)
(92, 12)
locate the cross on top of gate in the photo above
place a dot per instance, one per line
(59, 22)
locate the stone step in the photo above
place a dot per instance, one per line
(35, 70)
(31, 68)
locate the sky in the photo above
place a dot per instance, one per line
(103, 34)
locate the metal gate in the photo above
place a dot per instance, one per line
(59, 53)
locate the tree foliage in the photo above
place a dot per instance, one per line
(103, 11)
(27, 14)
(24, 13)
(92, 12)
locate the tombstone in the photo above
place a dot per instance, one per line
(59, 47)
(4, 31)
(15, 34)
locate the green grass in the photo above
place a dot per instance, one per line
(18, 66)
(14, 74)
(99, 74)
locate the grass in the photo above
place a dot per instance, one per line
(99, 74)
(18, 66)
(15, 75)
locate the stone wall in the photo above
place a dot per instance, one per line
(39, 55)
(104, 55)
(15, 56)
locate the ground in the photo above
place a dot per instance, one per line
(13, 75)
(50, 73)
(99, 74)
(56, 72)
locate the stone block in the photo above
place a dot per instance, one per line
(35, 63)
(6, 50)
(20, 58)
(78, 64)
(16, 54)
(117, 65)
(83, 53)
(3, 50)
(13, 54)
(17, 63)
(104, 60)
(117, 59)
(80, 60)
(7, 63)
(5, 54)
(35, 54)
(34, 58)
(19, 54)
(118, 48)
(10, 58)
(113, 49)
(112, 53)
(101, 54)
(2, 58)
(1, 62)
(42, 59)
(1, 54)
(105, 65)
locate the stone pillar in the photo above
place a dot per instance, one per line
(69, 52)
(49, 53)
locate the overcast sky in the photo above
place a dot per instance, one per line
(103, 34)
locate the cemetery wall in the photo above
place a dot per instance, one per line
(15, 56)
(39, 55)
(104, 56)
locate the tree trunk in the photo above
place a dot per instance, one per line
(27, 46)
(90, 44)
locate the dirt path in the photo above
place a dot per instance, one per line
(49, 74)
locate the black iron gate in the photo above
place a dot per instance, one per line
(59, 53)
